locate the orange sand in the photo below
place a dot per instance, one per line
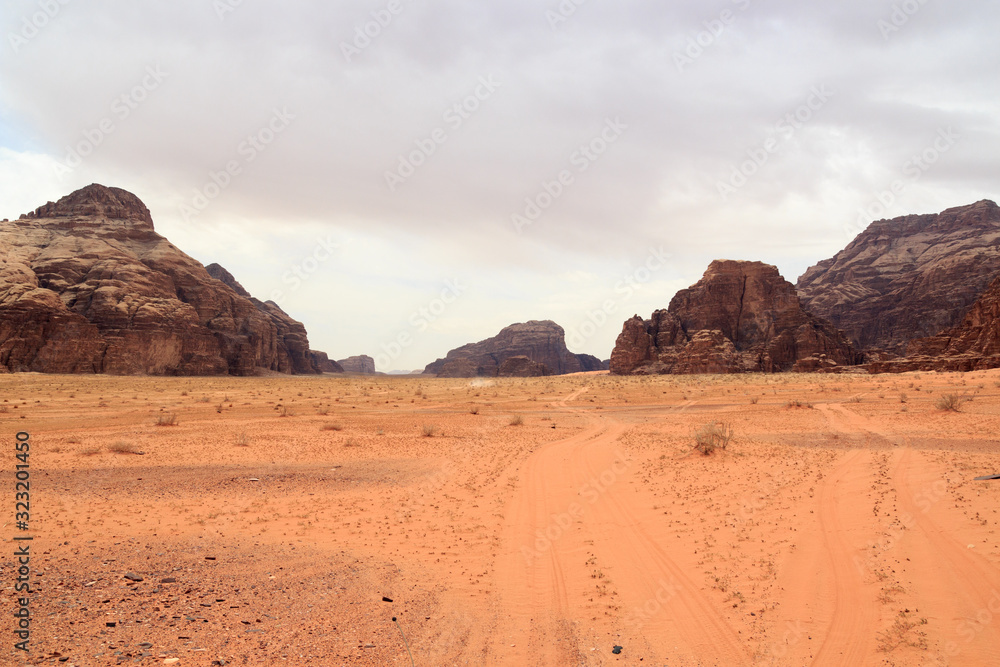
(848, 531)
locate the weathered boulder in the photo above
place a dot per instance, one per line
(740, 317)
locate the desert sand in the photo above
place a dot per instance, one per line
(545, 521)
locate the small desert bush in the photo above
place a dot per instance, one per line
(713, 436)
(753, 400)
(855, 399)
(90, 451)
(949, 402)
(429, 430)
(351, 442)
(166, 419)
(285, 411)
(122, 447)
(903, 397)
(203, 399)
(796, 403)
(474, 410)
(243, 440)
(333, 426)
(517, 420)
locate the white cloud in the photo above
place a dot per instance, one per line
(655, 186)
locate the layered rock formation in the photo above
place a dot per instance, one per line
(88, 286)
(521, 367)
(362, 364)
(973, 345)
(324, 364)
(907, 278)
(740, 317)
(541, 342)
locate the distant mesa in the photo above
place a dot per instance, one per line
(740, 317)
(88, 286)
(363, 365)
(542, 343)
(972, 345)
(907, 278)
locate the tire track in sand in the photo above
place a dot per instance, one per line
(823, 584)
(686, 622)
(958, 582)
(543, 591)
(851, 635)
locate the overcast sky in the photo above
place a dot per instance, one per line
(429, 172)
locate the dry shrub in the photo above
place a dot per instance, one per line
(167, 419)
(429, 430)
(122, 447)
(948, 402)
(713, 436)
(517, 420)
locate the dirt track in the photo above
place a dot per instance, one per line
(841, 526)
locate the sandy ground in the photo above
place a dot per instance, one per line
(516, 522)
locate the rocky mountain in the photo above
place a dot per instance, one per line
(972, 345)
(362, 364)
(88, 286)
(740, 317)
(907, 278)
(541, 342)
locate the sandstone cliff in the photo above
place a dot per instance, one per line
(740, 317)
(542, 342)
(907, 278)
(972, 345)
(362, 364)
(88, 286)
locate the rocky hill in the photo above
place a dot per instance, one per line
(740, 317)
(972, 345)
(362, 364)
(541, 342)
(907, 278)
(88, 286)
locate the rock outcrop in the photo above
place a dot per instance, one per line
(973, 345)
(323, 363)
(521, 367)
(542, 342)
(362, 364)
(740, 317)
(88, 286)
(907, 278)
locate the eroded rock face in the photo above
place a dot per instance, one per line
(522, 367)
(740, 317)
(362, 364)
(324, 364)
(88, 286)
(907, 278)
(543, 342)
(972, 345)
